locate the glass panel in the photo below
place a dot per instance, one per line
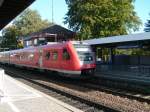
(42, 41)
(85, 56)
(84, 52)
(35, 41)
(47, 55)
(66, 55)
(55, 55)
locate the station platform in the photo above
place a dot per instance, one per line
(18, 97)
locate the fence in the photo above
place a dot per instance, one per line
(134, 69)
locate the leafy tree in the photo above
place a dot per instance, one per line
(100, 18)
(29, 21)
(9, 37)
(147, 26)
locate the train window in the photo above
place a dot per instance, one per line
(85, 56)
(31, 56)
(66, 55)
(55, 55)
(17, 56)
(47, 55)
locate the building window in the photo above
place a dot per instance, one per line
(29, 43)
(66, 55)
(35, 42)
(42, 41)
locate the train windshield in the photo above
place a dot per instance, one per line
(84, 52)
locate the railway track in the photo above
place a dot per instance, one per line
(94, 104)
(141, 85)
(67, 97)
(119, 92)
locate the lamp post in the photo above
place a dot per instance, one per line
(52, 12)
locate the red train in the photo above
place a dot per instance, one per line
(68, 58)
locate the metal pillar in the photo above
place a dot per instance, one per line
(111, 56)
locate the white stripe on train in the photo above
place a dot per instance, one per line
(53, 69)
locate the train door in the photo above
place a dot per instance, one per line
(47, 58)
(40, 58)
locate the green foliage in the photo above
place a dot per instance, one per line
(9, 37)
(134, 51)
(123, 51)
(20, 44)
(28, 22)
(147, 26)
(101, 18)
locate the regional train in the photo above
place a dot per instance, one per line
(70, 58)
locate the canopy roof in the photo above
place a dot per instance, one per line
(9, 9)
(122, 39)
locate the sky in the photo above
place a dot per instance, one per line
(44, 7)
(142, 7)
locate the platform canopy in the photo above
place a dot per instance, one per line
(120, 40)
(9, 9)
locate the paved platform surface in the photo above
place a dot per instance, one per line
(18, 97)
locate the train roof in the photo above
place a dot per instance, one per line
(79, 42)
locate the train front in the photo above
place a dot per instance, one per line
(86, 59)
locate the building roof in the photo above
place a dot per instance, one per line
(9, 9)
(119, 39)
(54, 29)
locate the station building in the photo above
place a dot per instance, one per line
(54, 33)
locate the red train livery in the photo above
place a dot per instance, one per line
(72, 58)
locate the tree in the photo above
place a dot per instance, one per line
(147, 26)
(29, 21)
(100, 18)
(9, 37)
